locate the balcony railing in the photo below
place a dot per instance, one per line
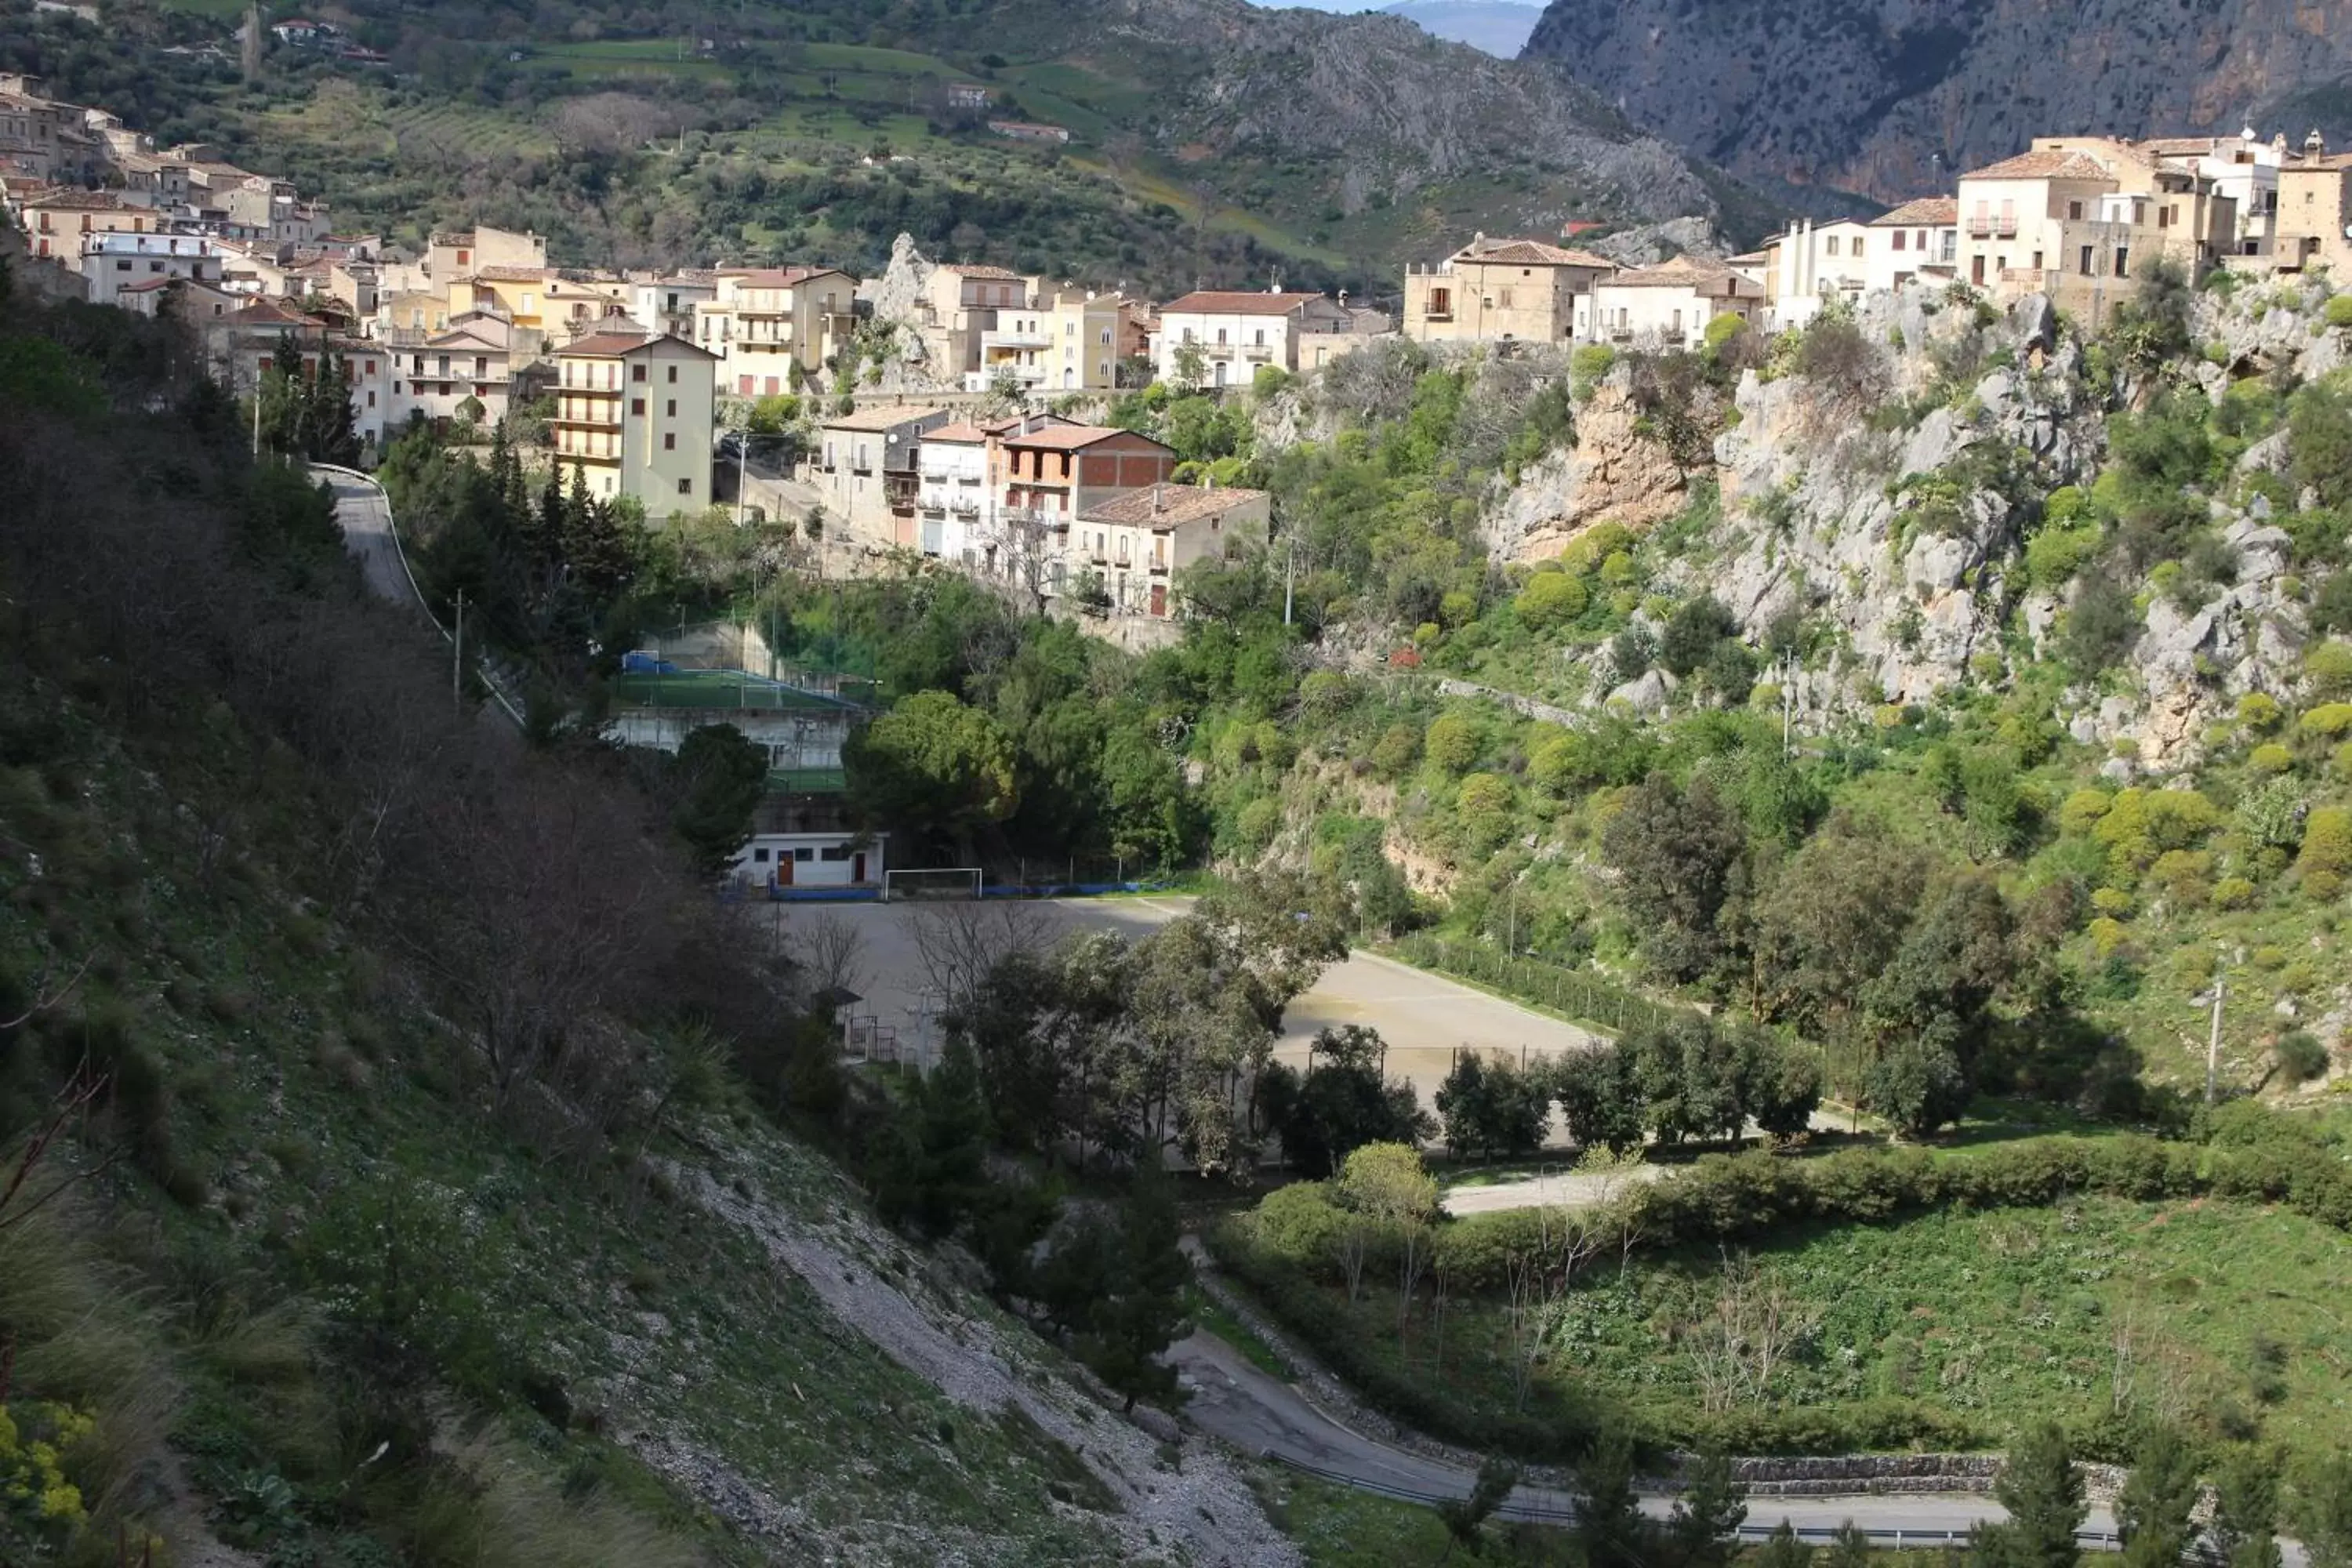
(1992, 228)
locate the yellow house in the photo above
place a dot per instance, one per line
(2315, 204)
(633, 412)
(1068, 341)
(1495, 290)
(2078, 218)
(772, 327)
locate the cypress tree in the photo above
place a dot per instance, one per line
(2152, 1515)
(2044, 1494)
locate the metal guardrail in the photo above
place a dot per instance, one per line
(491, 675)
(1747, 1534)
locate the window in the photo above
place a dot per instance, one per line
(670, 408)
(673, 376)
(636, 406)
(1261, 331)
(1831, 245)
(2037, 261)
(669, 442)
(1899, 238)
(2122, 261)
(636, 372)
(1504, 295)
(1221, 335)
(685, 487)
(802, 853)
(2073, 211)
(758, 857)
(834, 852)
(2164, 217)
(1857, 248)
(122, 267)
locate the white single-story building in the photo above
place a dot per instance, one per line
(778, 862)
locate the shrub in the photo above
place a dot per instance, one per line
(2327, 856)
(2328, 722)
(2054, 555)
(2301, 1057)
(2270, 757)
(2328, 668)
(2260, 713)
(1591, 361)
(2112, 902)
(1452, 742)
(1483, 794)
(2233, 893)
(1396, 750)
(1551, 599)
(2339, 310)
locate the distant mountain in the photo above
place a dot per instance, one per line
(1890, 97)
(1498, 27)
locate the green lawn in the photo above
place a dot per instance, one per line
(715, 688)
(2231, 1320)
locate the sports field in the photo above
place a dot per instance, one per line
(726, 689)
(1424, 1017)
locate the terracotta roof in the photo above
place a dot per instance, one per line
(778, 276)
(270, 313)
(1532, 253)
(2046, 164)
(1682, 272)
(1217, 302)
(607, 345)
(877, 418)
(1168, 506)
(511, 274)
(1005, 274)
(74, 200)
(2187, 146)
(1928, 212)
(146, 285)
(963, 431)
(1070, 437)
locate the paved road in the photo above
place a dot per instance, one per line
(1262, 1415)
(361, 508)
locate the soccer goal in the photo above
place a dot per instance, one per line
(931, 882)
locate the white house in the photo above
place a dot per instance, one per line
(778, 862)
(1671, 303)
(1813, 265)
(955, 504)
(1919, 242)
(1234, 333)
(111, 262)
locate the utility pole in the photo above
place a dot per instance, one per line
(1788, 698)
(2213, 1039)
(742, 452)
(1289, 573)
(458, 657)
(257, 418)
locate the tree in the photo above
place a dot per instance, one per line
(1783, 1550)
(1141, 1311)
(1918, 1085)
(1849, 1547)
(718, 780)
(1692, 633)
(931, 1167)
(1706, 1522)
(2153, 1512)
(2321, 1511)
(1689, 1077)
(2246, 1508)
(933, 765)
(1191, 363)
(1608, 1524)
(1341, 1103)
(1465, 1518)
(2044, 1494)
(1492, 1108)
(1779, 1082)
(1600, 1096)
(334, 430)
(1674, 850)
(1385, 1186)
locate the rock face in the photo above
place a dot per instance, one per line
(1861, 94)
(925, 360)
(1615, 473)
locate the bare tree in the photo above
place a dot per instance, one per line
(830, 954)
(1746, 1335)
(957, 944)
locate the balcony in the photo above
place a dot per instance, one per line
(1157, 567)
(1992, 228)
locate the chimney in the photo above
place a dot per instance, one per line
(2315, 145)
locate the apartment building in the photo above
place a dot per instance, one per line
(866, 468)
(1813, 265)
(1500, 290)
(1670, 304)
(1919, 242)
(112, 262)
(666, 301)
(1054, 471)
(1232, 334)
(772, 327)
(633, 412)
(2074, 216)
(1066, 340)
(46, 140)
(55, 220)
(2314, 207)
(474, 358)
(2243, 168)
(453, 254)
(1136, 541)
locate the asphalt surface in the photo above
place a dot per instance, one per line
(361, 508)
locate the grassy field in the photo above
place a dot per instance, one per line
(716, 689)
(2233, 1321)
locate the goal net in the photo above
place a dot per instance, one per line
(931, 882)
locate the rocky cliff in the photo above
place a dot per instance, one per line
(1866, 95)
(1888, 514)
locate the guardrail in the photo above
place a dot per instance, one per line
(491, 677)
(1538, 1513)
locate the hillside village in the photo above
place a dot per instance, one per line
(1848, 744)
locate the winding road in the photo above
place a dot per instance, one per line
(1262, 1415)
